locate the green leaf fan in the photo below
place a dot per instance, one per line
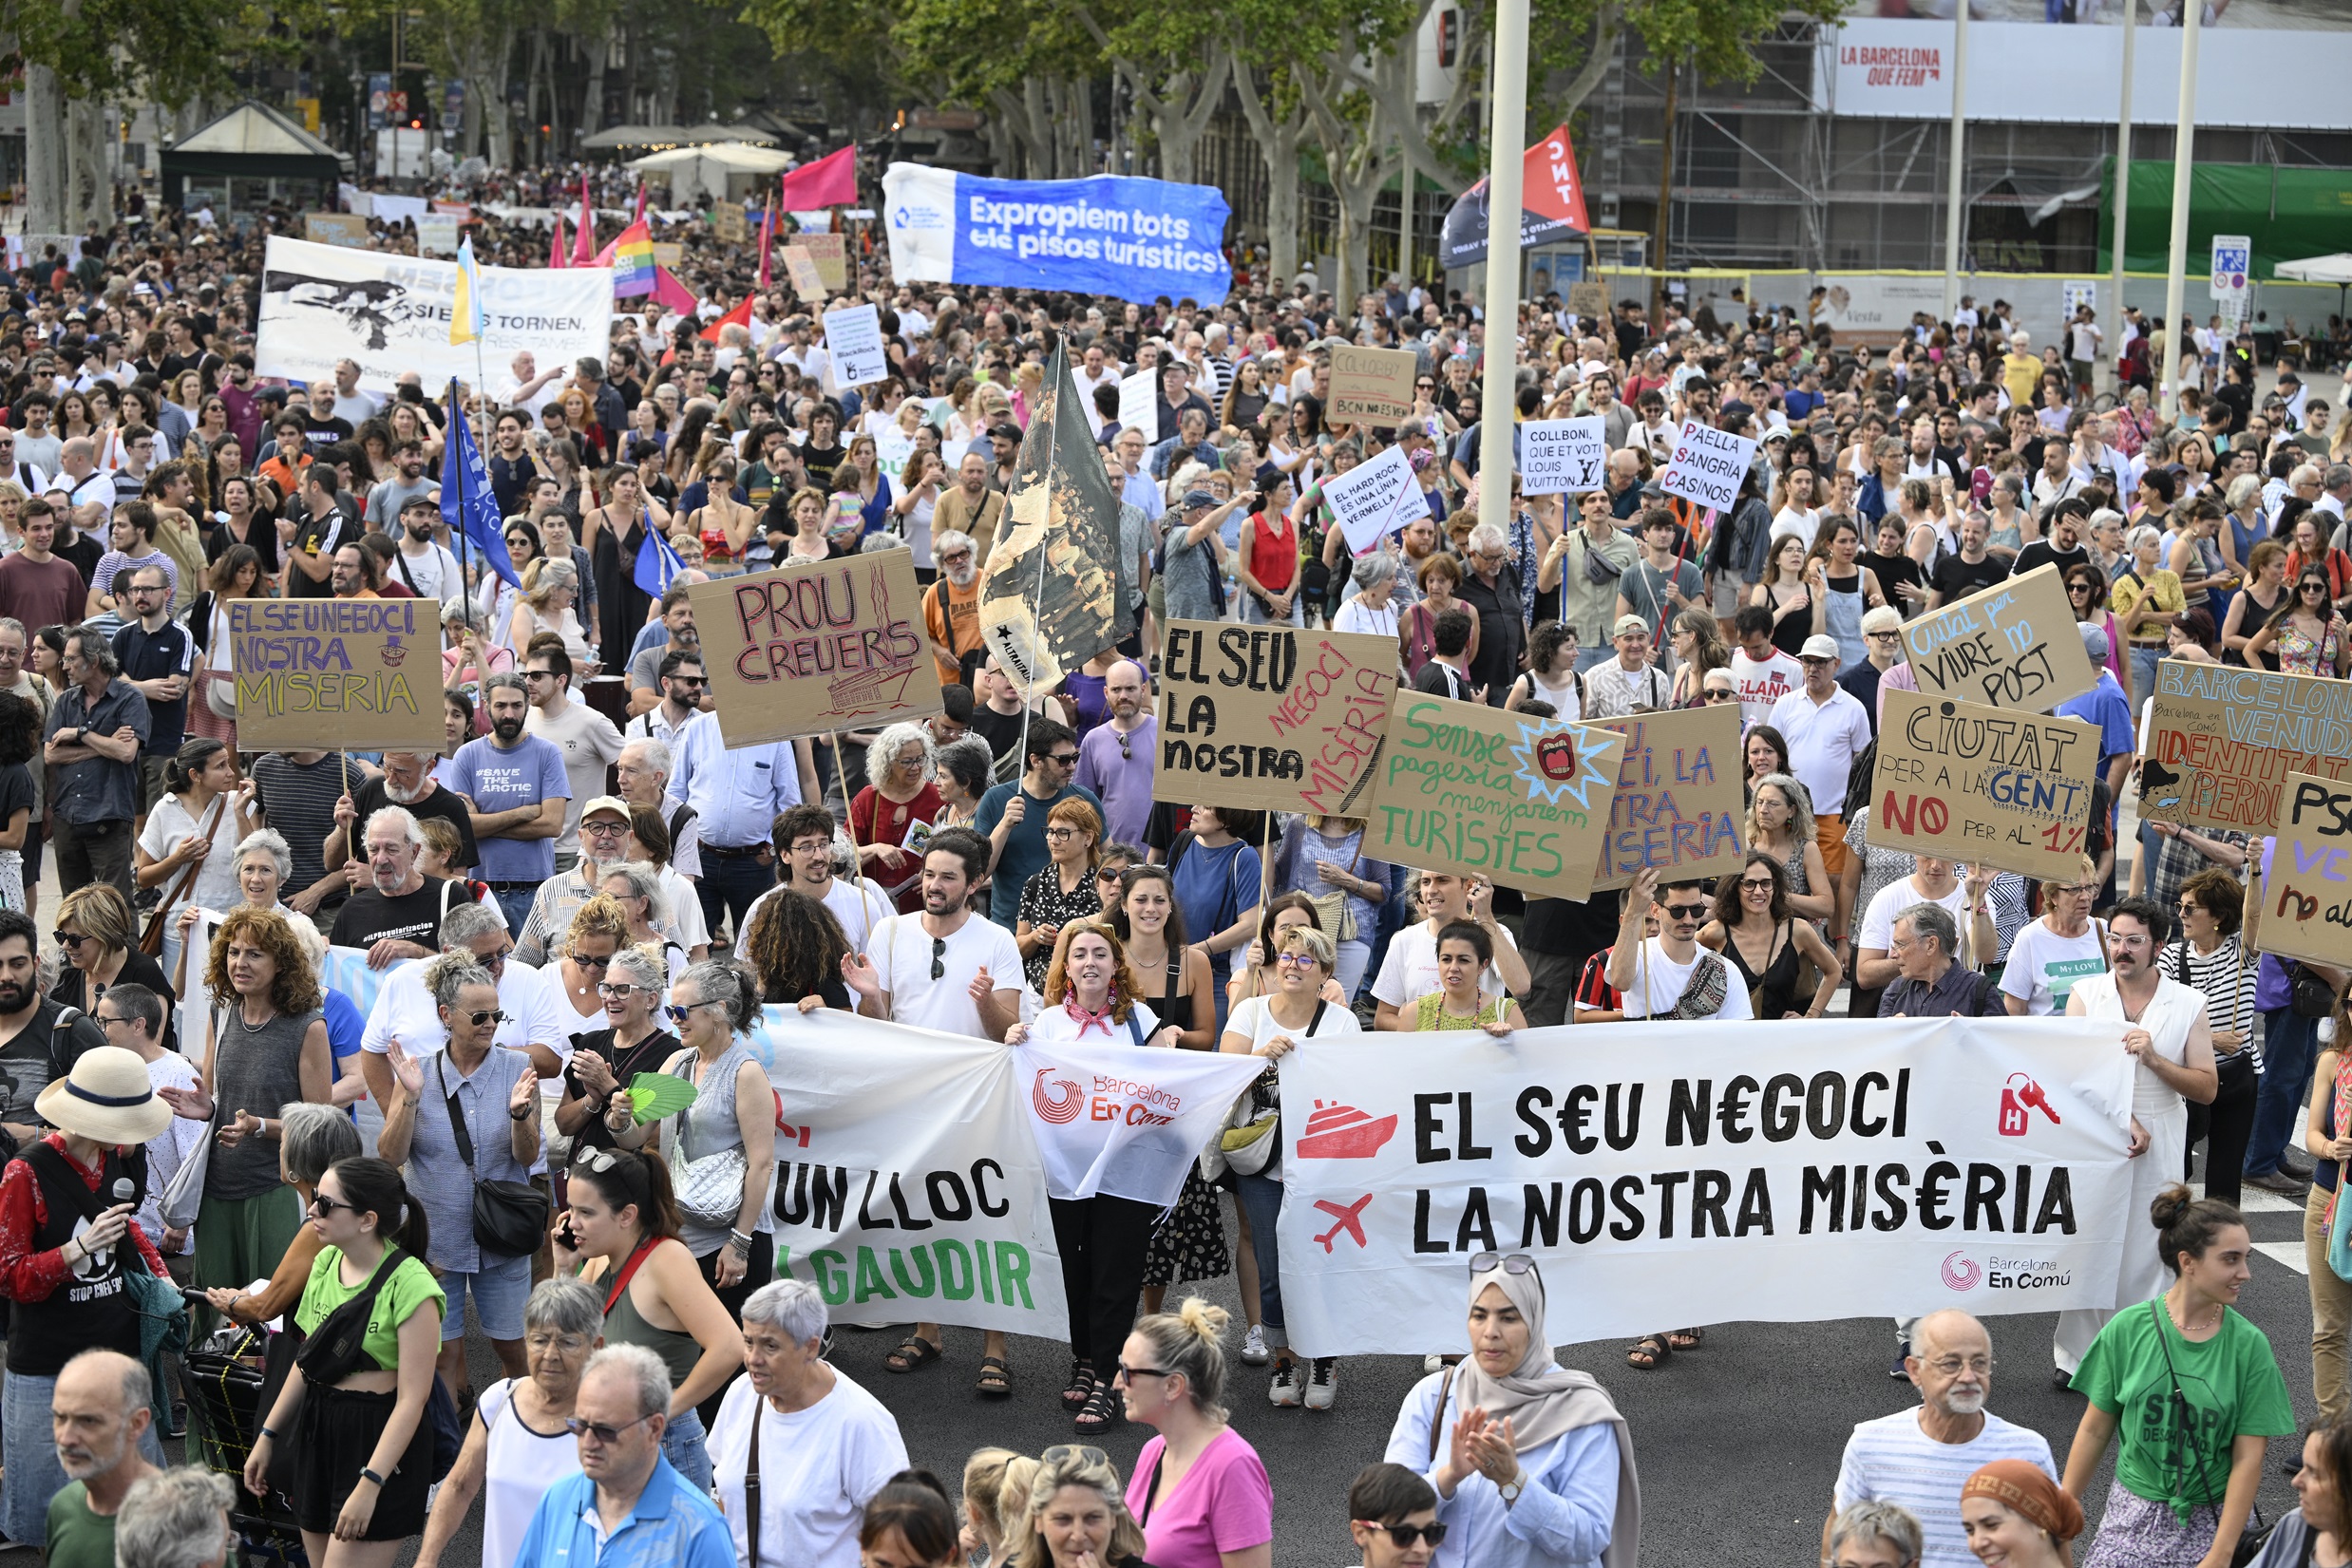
(654, 1095)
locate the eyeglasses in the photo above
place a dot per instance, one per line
(1951, 1366)
(619, 991)
(938, 957)
(1061, 1452)
(1405, 1534)
(1059, 833)
(602, 1433)
(1752, 884)
(323, 1205)
(1509, 1264)
(1297, 960)
(1883, 636)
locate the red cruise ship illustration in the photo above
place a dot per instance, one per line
(1342, 1132)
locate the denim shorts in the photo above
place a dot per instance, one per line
(499, 1287)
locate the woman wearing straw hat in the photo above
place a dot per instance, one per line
(63, 1221)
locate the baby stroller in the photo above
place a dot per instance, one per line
(228, 1380)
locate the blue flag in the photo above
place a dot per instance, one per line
(657, 565)
(467, 503)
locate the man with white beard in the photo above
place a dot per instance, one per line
(99, 1415)
(951, 608)
(406, 781)
(399, 913)
(1918, 1458)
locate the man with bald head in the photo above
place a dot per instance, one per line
(1115, 760)
(1917, 1459)
(100, 1420)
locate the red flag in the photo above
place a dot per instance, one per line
(668, 289)
(739, 317)
(555, 251)
(639, 215)
(585, 240)
(830, 181)
(1549, 184)
(768, 241)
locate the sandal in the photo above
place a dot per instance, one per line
(1103, 1411)
(913, 1353)
(1081, 1387)
(1686, 1339)
(996, 1380)
(1650, 1353)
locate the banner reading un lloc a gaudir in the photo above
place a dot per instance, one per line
(1676, 1173)
(1128, 238)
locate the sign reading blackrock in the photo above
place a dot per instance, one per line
(1788, 1174)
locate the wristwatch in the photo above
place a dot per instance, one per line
(1510, 1489)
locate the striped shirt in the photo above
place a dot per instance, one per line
(1890, 1459)
(2226, 977)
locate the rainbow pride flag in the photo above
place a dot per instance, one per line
(632, 262)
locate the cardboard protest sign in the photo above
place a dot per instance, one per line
(1480, 791)
(1708, 465)
(1051, 594)
(1375, 499)
(2222, 740)
(436, 235)
(2013, 645)
(853, 342)
(1371, 386)
(337, 674)
(729, 223)
(1993, 787)
(800, 268)
(1562, 456)
(1139, 404)
(1679, 808)
(669, 253)
(1272, 718)
(336, 229)
(830, 252)
(803, 649)
(1589, 301)
(2305, 888)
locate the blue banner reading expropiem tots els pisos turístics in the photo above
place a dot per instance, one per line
(1133, 240)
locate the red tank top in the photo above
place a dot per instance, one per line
(1273, 558)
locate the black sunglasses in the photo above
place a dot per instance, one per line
(938, 957)
(1405, 1534)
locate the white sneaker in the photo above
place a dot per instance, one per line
(1283, 1392)
(1254, 1352)
(1322, 1382)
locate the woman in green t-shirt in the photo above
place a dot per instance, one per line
(364, 1451)
(2183, 1487)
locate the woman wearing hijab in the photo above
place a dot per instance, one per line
(2018, 1517)
(1532, 1464)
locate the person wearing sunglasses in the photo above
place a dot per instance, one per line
(658, 1514)
(496, 1092)
(1199, 1489)
(606, 1061)
(2306, 635)
(809, 1516)
(1393, 1517)
(1075, 1514)
(362, 1447)
(1532, 1464)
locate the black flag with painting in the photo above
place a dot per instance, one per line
(1057, 591)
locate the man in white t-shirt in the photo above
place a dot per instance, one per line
(1917, 1459)
(406, 1016)
(1670, 974)
(1761, 673)
(1410, 971)
(942, 969)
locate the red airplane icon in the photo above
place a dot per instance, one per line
(1350, 1217)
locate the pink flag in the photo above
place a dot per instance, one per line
(639, 215)
(768, 240)
(830, 181)
(555, 251)
(668, 289)
(585, 240)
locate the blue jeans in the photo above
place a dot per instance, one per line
(1261, 1200)
(515, 903)
(682, 1446)
(2289, 1050)
(2144, 661)
(728, 884)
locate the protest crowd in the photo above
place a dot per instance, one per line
(584, 896)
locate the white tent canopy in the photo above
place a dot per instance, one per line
(2334, 269)
(726, 170)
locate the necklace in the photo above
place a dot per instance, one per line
(2180, 1319)
(255, 1028)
